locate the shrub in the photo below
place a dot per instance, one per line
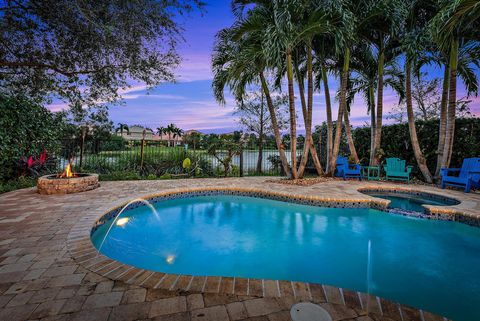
(21, 182)
(26, 129)
(165, 161)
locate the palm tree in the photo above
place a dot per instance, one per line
(379, 25)
(364, 66)
(282, 30)
(177, 132)
(161, 131)
(170, 130)
(239, 60)
(288, 26)
(344, 42)
(346, 110)
(348, 128)
(455, 24)
(364, 81)
(468, 56)
(325, 53)
(122, 127)
(416, 16)
(316, 22)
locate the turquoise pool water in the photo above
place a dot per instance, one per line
(432, 265)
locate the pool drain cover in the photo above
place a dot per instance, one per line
(309, 312)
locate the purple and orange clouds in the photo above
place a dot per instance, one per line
(190, 103)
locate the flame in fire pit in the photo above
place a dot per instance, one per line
(68, 172)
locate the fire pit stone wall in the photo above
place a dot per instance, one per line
(51, 184)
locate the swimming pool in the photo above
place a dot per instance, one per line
(432, 265)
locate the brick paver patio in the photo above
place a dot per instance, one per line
(40, 280)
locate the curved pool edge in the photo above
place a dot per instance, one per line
(82, 250)
(435, 212)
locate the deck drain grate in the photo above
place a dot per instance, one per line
(307, 311)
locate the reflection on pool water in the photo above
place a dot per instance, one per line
(431, 265)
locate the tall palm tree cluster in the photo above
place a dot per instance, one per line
(367, 45)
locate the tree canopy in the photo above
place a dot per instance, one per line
(83, 52)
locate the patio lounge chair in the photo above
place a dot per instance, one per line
(396, 170)
(346, 170)
(468, 176)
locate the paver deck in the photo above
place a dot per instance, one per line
(39, 279)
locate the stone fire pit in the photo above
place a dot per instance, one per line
(52, 184)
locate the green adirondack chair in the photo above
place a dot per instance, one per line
(396, 170)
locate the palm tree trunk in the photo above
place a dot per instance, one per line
(378, 125)
(328, 107)
(293, 117)
(309, 145)
(452, 105)
(276, 130)
(443, 122)
(351, 145)
(421, 162)
(313, 151)
(260, 139)
(306, 145)
(301, 91)
(371, 93)
(260, 154)
(341, 110)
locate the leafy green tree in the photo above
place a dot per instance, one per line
(254, 117)
(84, 51)
(193, 138)
(224, 148)
(26, 129)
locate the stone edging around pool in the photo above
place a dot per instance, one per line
(85, 254)
(433, 212)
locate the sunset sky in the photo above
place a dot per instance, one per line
(189, 103)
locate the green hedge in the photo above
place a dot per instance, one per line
(396, 142)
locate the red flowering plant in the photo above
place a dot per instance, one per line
(35, 167)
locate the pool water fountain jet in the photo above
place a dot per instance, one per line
(369, 273)
(140, 200)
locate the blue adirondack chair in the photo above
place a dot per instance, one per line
(346, 170)
(468, 176)
(396, 170)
